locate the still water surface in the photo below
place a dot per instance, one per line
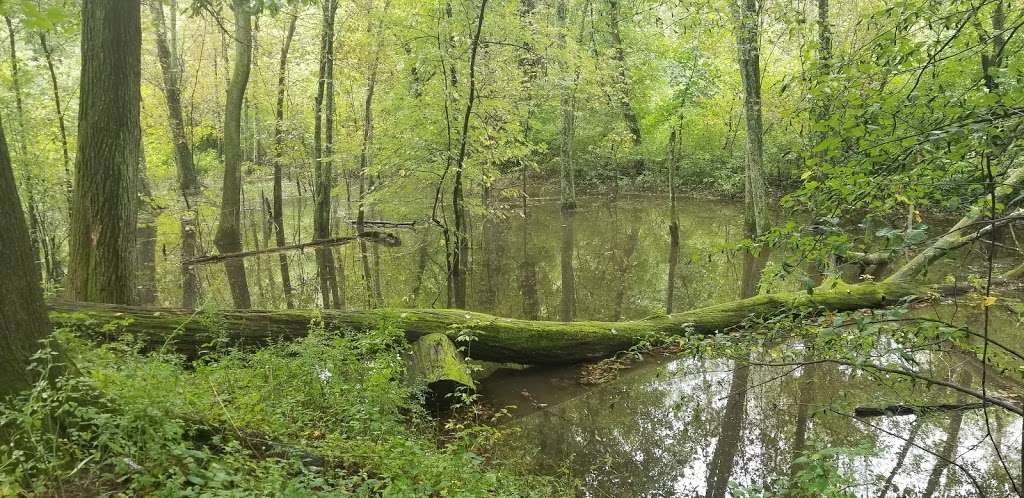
(668, 426)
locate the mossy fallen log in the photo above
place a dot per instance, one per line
(485, 337)
(435, 361)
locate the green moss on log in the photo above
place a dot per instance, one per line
(489, 337)
(437, 363)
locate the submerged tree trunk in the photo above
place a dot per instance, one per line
(102, 237)
(188, 178)
(229, 229)
(567, 310)
(23, 319)
(278, 208)
(371, 280)
(323, 133)
(460, 257)
(673, 225)
(755, 225)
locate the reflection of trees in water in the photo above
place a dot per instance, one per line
(655, 433)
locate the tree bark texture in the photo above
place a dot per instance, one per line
(103, 216)
(229, 229)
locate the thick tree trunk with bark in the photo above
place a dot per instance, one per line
(103, 217)
(229, 229)
(23, 320)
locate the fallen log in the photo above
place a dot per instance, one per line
(383, 238)
(436, 362)
(485, 337)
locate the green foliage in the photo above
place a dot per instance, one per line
(327, 416)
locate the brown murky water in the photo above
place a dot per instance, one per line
(668, 427)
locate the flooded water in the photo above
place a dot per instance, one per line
(669, 426)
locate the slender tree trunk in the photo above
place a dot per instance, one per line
(103, 217)
(61, 124)
(622, 75)
(229, 229)
(371, 280)
(323, 132)
(567, 310)
(460, 258)
(23, 318)
(188, 178)
(567, 102)
(39, 250)
(755, 192)
(673, 224)
(755, 225)
(145, 236)
(278, 208)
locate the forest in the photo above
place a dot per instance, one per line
(594, 248)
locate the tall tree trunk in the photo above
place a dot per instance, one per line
(371, 280)
(755, 224)
(323, 132)
(39, 249)
(188, 178)
(673, 224)
(567, 102)
(23, 319)
(61, 123)
(755, 194)
(145, 236)
(460, 257)
(278, 208)
(103, 217)
(229, 230)
(622, 74)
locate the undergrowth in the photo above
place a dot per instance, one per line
(328, 416)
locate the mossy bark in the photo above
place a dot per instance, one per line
(494, 338)
(437, 363)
